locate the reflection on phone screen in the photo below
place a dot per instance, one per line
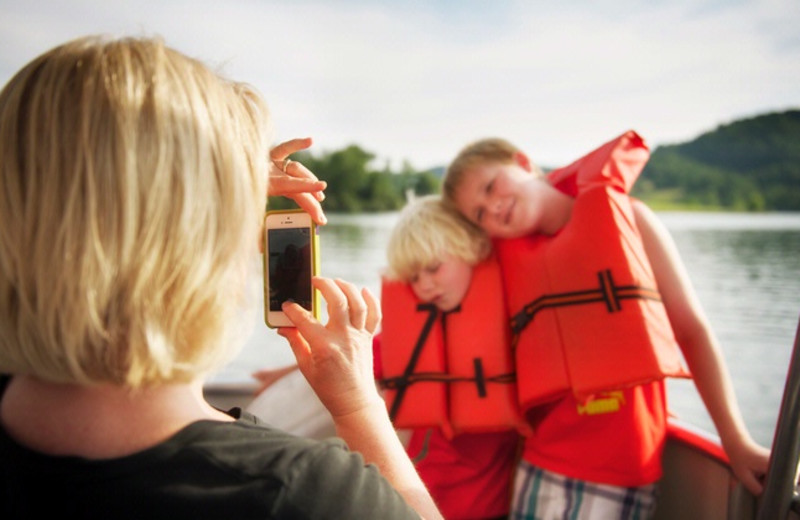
(289, 267)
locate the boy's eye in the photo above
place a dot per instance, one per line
(490, 186)
(433, 268)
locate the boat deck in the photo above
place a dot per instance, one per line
(697, 483)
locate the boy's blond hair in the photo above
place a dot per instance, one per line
(426, 231)
(132, 184)
(489, 150)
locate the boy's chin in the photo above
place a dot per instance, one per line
(446, 307)
(522, 231)
(511, 233)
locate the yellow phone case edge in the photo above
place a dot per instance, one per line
(315, 262)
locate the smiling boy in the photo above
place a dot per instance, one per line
(566, 241)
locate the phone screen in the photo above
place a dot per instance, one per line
(289, 267)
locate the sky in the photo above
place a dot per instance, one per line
(413, 81)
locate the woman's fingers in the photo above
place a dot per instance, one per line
(300, 347)
(285, 185)
(373, 311)
(288, 169)
(302, 319)
(305, 192)
(357, 307)
(346, 305)
(334, 298)
(297, 170)
(292, 179)
(287, 148)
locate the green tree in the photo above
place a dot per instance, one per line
(380, 193)
(353, 186)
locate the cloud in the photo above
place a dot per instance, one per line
(417, 80)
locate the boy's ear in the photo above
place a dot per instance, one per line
(523, 160)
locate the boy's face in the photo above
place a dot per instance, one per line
(501, 198)
(444, 283)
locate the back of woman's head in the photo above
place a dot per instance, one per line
(425, 232)
(132, 179)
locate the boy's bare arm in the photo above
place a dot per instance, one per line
(700, 349)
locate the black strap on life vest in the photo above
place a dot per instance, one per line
(607, 293)
(409, 376)
(412, 361)
(480, 379)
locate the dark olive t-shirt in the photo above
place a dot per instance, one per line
(208, 470)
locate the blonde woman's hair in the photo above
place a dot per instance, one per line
(490, 150)
(132, 184)
(426, 231)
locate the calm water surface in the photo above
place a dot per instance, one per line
(745, 269)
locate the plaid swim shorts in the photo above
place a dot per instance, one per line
(543, 495)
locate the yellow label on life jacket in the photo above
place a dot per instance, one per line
(605, 402)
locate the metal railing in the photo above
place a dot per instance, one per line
(780, 491)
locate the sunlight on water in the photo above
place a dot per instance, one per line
(745, 269)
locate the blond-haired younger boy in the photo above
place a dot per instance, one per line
(435, 251)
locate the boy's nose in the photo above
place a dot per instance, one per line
(425, 282)
(496, 207)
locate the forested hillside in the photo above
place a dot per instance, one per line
(750, 164)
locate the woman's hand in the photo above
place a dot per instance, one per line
(291, 179)
(336, 358)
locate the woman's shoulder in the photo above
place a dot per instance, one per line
(249, 437)
(302, 468)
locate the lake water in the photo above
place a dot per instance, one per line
(744, 267)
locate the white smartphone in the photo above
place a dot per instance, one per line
(291, 259)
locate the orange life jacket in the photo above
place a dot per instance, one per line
(587, 316)
(452, 370)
